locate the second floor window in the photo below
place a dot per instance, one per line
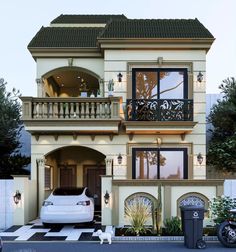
(164, 163)
(164, 83)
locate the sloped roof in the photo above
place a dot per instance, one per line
(156, 28)
(116, 28)
(85, 19)
(65, 37)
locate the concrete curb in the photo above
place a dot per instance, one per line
(158, 238)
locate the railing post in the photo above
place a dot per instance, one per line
(114, 108)
(27, 108)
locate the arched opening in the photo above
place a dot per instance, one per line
(193, 199)
(71, 82)
(146, 199)
(75, 166)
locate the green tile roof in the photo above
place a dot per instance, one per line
(65, 37)
(156, 28)
(88, 19)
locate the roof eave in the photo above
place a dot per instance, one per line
(74, 52)
(155, 40)
(156, 43)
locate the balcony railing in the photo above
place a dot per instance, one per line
(159, 110)
(70, 108)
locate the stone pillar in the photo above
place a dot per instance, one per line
(40, 87)
(107, 208)
(40, 181)
(101, 87)
(109, 166)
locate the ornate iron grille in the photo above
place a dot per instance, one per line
(159, 110)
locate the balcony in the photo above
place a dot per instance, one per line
(170, 116)
(71, 114)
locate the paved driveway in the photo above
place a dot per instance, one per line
(35, 231)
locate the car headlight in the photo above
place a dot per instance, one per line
(84, 203)
(47, 203)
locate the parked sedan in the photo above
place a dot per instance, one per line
(68, 205)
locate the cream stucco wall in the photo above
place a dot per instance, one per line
(45, 65)
(116, 61)
(122, 61)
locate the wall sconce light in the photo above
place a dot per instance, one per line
(200, 77)
(158, 142)
(200, 158)
(17, 197)
(106, 197)
(119, 159)
(119, 76)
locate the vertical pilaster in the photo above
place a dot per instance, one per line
(40, 87)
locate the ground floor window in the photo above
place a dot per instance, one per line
(48, 177)
(160, 163)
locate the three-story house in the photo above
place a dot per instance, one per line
(120, 109)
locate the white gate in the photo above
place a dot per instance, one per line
(230, 188)
(6, 203)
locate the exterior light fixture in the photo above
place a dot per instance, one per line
(159, 141)
(106, 197)
(200, 77)
(119, 159)
(200, 158)
(17, 197)
(119, 76)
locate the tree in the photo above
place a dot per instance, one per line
(222, 146)
(11, 161)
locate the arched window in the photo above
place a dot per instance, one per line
(193, 199)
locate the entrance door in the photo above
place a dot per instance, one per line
(92, 179)
(68, 176)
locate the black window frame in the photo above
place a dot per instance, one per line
(158, 70)
(185, 159)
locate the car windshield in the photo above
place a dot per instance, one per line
(68, 191)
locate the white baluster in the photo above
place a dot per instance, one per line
(103, 110)
(82, 109)
(50, 109)
(77, 110)
(61, 112)
(72, 110)
(66, 104)
(87, 110)
(98, 110)
(92, 110)
(55, 110)
(35, 114)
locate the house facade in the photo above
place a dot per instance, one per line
(120, 108)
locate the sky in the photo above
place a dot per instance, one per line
(21, 20)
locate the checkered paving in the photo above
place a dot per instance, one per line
(35, 231)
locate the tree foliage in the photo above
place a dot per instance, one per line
(11, 162)
(219, 209)
(222, 147)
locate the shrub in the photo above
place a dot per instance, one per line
(173, 226)
(219, 209)
(138, 211)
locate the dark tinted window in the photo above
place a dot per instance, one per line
(68, 191)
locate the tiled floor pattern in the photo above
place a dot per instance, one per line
(35, 231)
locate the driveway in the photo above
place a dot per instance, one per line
(35, 231)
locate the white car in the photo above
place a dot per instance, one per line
(68, 205)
